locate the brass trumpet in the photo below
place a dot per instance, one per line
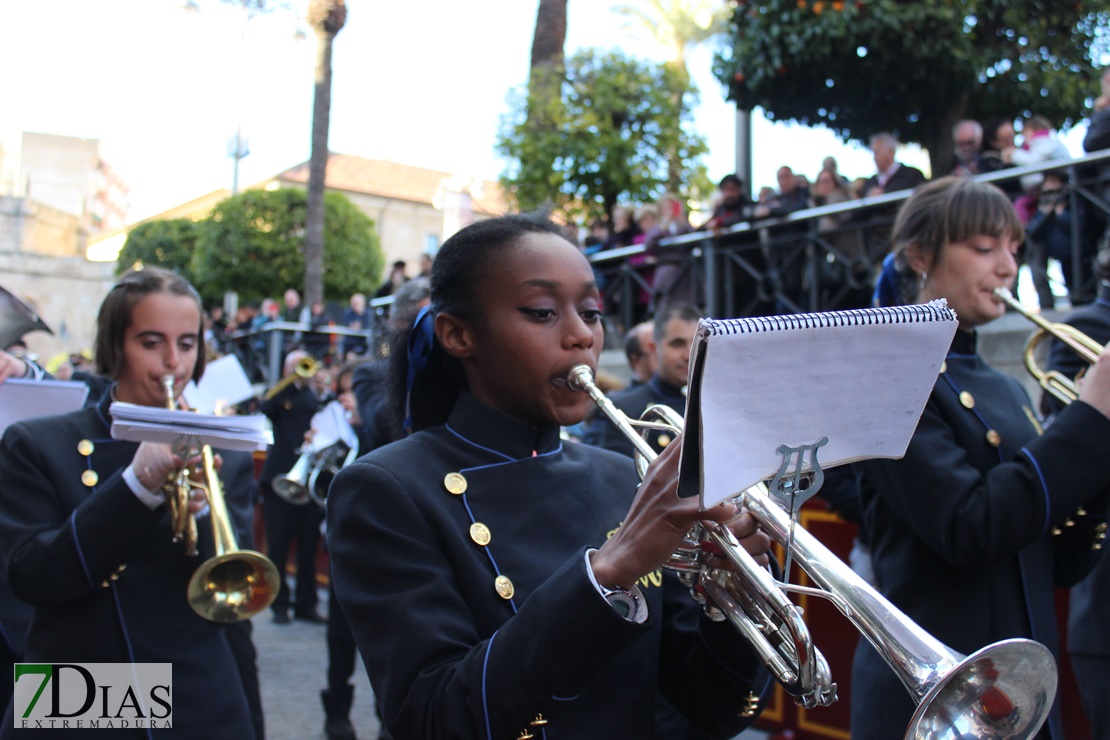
(1004, 690)
(1060, 386)
(233, 584)
(306, 369)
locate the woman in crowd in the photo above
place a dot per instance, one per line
(85, 535)
(967, 531)
(464, 555)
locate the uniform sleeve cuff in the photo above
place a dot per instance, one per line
(638, 614)
(152, 499)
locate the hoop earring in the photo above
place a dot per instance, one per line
(924, 279)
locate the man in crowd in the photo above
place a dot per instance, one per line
(639, 350)
(674, 331)
(892, 175)
(291, 411)
(967, 137)
(733, 205)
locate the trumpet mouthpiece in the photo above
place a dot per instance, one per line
(580, 377)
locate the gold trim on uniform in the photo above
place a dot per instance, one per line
(994, 438)
(480, 533)
(504, 587)
(455, 483)
(89, 478)
(1033, 420)
(751, 705)
(85, 447)
(967, 400)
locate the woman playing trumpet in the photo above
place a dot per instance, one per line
(969, 531)
(85, 535)
(500, 582)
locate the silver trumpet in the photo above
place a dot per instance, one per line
(313, 472)
(293, 486)
(1004, 690)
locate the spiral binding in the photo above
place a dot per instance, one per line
(915, 314)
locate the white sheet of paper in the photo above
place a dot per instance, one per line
(863, 385)
(331, 426)
(26, 399)
(152, 424)
(224, 383)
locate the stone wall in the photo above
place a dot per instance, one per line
(66, 292)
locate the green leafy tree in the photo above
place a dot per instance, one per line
(913, 68)
(253, 243)
(169, 243)
(614, 121)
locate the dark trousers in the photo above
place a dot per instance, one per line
(341, 645)
(246, 659)
(286, 522)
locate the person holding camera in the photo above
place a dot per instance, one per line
(1048, 235)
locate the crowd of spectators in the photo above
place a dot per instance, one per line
(837, 254)
(332, 333)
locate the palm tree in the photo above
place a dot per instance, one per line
(550, 34)
(326, 18)
(676, 25)
(545, 77)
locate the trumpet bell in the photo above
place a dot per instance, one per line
(293, 486)
(1004, 690)
(234, 586)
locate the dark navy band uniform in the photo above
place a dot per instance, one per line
(459, 556)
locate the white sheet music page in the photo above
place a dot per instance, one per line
(860, 378)
(153, 424)
(27, 399)
(224, 384)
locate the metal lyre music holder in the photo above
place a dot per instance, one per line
(793, 485)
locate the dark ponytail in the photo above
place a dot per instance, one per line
(464, 260)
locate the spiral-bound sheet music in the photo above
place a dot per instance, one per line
(860, 378)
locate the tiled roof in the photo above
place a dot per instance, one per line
(393, 180)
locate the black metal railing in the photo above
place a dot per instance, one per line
(823, 258)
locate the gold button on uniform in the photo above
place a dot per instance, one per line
(944, 367)
(504, 587)
(967, 400)
(539, 721)
(993, 438)
(85, 447)
(480, 533)
(455, 483)
(89, 478)
(663, 440)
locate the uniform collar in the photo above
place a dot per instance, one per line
(487, 427)
(964, 343)
(104, 403)
(664, 388)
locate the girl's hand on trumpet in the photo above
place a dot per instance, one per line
(1094, 385)
(154, 464)
(658, 522)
